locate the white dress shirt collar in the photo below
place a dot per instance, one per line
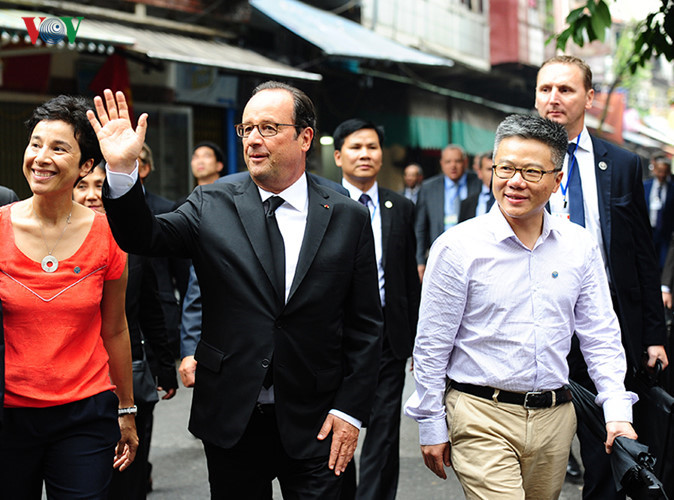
(296, 195)
(355, 192)
(502, 229)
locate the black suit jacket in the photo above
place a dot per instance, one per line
(667, 277)
(325, 341)
(2, 366)
(430, 211)
(469, 206)
(7, 196)
(145, 317)
(401, 279)
(190, 329)
(631, 261)
(172, 273)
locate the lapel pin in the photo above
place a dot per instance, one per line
(603, 165)
(326, 206)
(555, 274)
(388, 204)
(77, 270)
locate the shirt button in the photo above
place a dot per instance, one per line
(265, 363)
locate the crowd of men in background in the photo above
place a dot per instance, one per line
(404, 226)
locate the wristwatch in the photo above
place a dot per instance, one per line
(131, 410)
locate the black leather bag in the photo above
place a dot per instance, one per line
(654, 422)
(144, 385)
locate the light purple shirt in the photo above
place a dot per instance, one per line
(494, 313)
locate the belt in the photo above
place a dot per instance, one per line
(535, 399)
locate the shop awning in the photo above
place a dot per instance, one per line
(189, 50)
(340, 37)
(162, 46)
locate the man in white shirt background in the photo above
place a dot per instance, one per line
(659, 194)
(499, 307)
(413, 176)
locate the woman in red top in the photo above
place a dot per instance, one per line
(68, 402)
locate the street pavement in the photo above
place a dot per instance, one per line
(179, 465)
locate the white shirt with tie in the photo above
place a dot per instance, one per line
(588, 178)
(375, 219)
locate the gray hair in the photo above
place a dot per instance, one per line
(460, 149)
(540, 129)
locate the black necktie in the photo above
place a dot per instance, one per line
(279, 256)
(365, 200)
(276, 241)
(575, 188)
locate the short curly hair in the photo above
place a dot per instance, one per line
(73, 111)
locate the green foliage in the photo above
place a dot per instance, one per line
(653, 35)
(632, 81)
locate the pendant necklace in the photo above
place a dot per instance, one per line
(51, 263)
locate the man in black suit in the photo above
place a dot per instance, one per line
(7, 196)
(292, 322)
(659, 193)
(480, 202)
(172, 273)
(190, 324)
(439, 200)
(607, 197)
(358, 152)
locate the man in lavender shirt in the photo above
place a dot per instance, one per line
(502, 296)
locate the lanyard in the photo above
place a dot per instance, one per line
(374, 208)
(374, 211)
(563, 187)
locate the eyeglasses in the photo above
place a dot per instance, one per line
(266, 129)
(529, 174)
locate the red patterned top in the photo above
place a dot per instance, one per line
(54, 352)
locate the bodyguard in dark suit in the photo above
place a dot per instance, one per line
(358, 153)
(602, 189)
(292, 322)
(439, 200)
(659, 193)
(172, 273)
(480, 202)
(7, 196)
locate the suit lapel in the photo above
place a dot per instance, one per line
(318, 217)
(249, 206)
(603, 175)
(387, 208)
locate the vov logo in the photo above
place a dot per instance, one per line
(53, 29)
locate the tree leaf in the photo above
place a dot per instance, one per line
(599, 28)
(602, 12)
(574, 15)
(578, 30)
(563, 38)
(591, 5)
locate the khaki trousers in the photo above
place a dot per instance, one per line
(501, 451)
